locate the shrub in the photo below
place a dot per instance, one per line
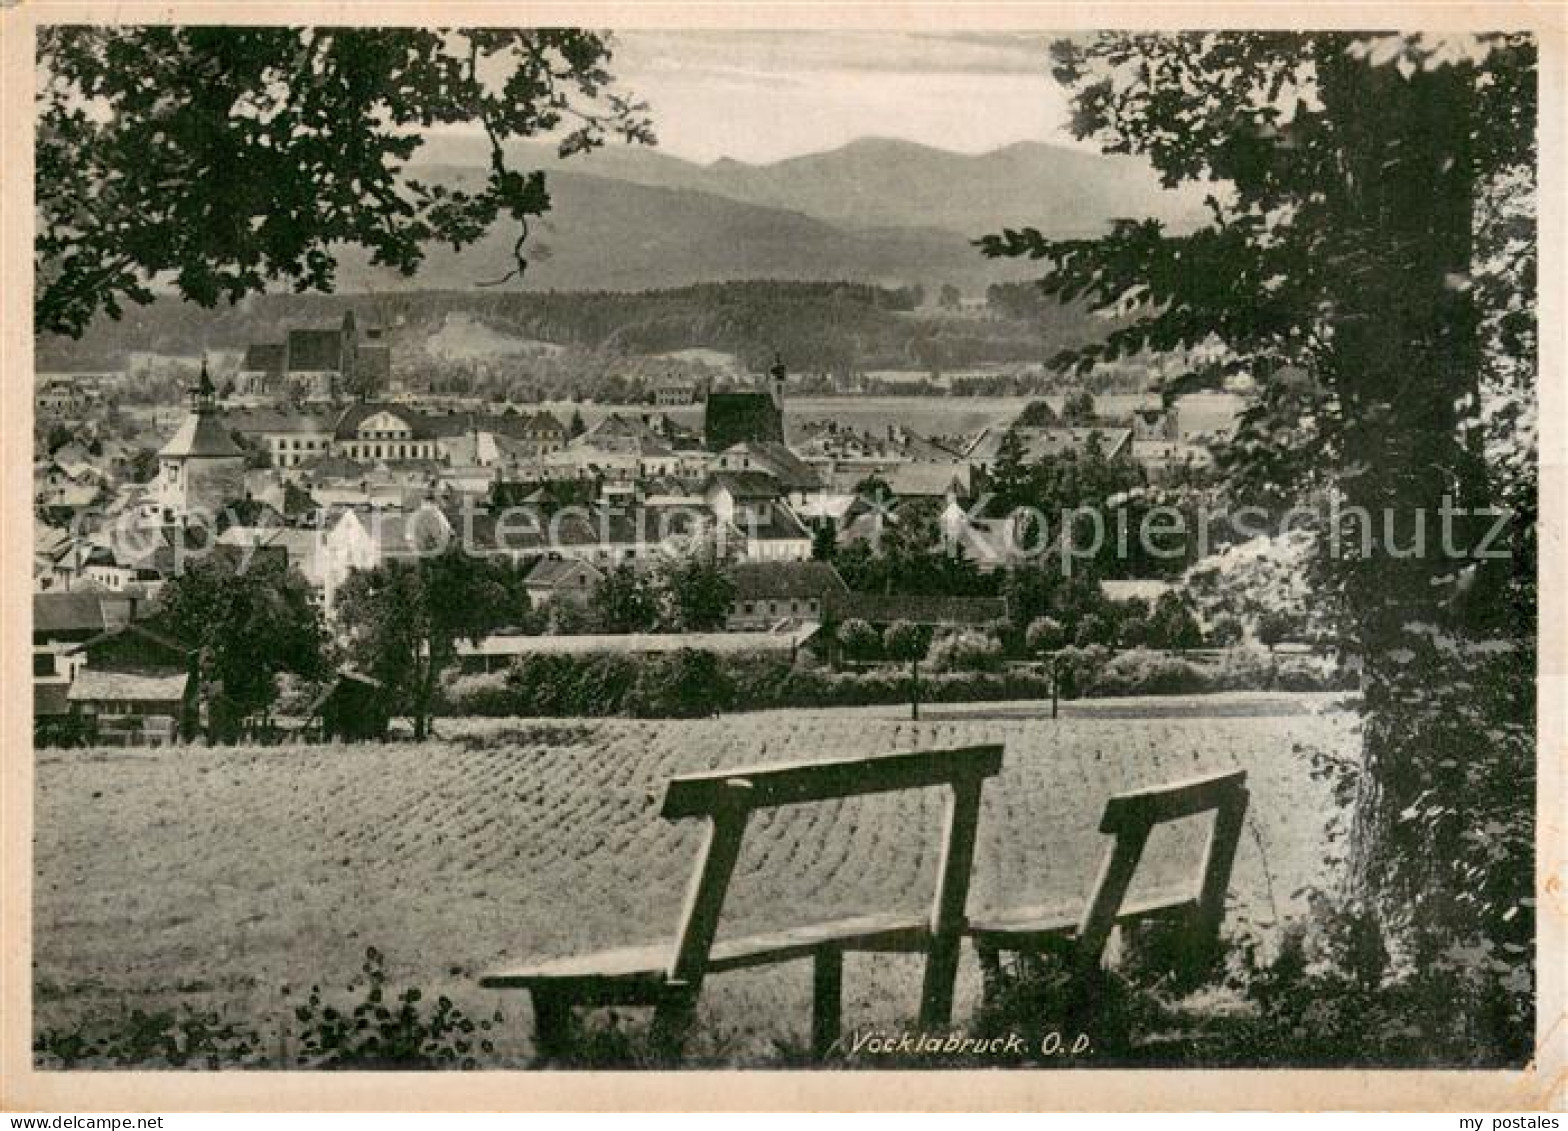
(62, 730)
(860, 640)
(1041, 995)
(1092, 628)
(907, 641)
(1250, 668)
(1225, 631)
(1132, 623)
(1044, 634)
(1172, 623)
(1141, 672)
(1331, 995)
(968, 668)
(688, 684)
(382, 1031)
(488, 695)
(1276, 626)
(189, 1038)
(966, 651)
(1079, 666)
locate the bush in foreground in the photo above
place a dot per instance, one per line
(381, 1030)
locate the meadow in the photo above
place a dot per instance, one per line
(223, 877)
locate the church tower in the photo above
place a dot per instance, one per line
(201, 467)
(776, 382)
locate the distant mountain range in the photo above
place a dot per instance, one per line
(635, 219)
(875, 210)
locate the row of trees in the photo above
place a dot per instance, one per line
(401, 622)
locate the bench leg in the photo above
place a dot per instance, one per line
(552, 1023)
(936, 998)
(672, 1021)
(991, 983)
(827, 996)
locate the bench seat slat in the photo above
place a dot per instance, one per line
(1044, 922)
(866, 932)
(584, 971)
(642, 968)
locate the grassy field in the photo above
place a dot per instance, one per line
(219, 876)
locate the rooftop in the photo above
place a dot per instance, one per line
(133, 687)
(764, 580)
(722, 643)
(886, 608)
(201, 435)
(732, 418)
(746, 484)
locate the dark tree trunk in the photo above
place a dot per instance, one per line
(1404, 365)
(423, 689)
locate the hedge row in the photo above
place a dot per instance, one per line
(692, 683)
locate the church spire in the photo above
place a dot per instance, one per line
(776, 383)
(203, 394)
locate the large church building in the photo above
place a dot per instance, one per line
(745, 417)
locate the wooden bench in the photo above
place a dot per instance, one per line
(1129, 818)
(669, 978)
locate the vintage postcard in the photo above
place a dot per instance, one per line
(726, 557)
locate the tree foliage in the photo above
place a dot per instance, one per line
(1370, 263)
(248, 622)
(908, 642)
(694, 590)
(859, 639)
(403, 620)
(222, 159)
(1045, 634)
(625, 600)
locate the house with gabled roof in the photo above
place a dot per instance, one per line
(262, 368)
(377, 431)
(63, 621)
(638, 536)
(134, 687)
(937, 482)
(289, 436)
(564, 579)
(797, 480)
(364, 538)
(768, 593)
(774, 535)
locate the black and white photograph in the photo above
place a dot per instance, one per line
(652, 548)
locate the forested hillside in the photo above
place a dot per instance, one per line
(825, 327)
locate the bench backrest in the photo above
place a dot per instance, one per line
(728, 797)
(794, 783)
(1131, 817)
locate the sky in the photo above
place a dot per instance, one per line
(763, 96)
